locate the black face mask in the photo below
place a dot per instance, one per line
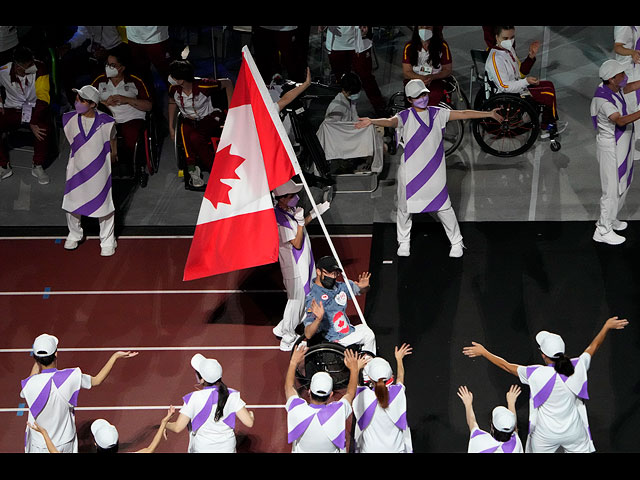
(328, 282)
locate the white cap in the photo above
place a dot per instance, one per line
(503, 419)
(287, 188)
(550, 343)
(414, 88)
(610, 69)
(378, 368)
(321, 384)
(88, 92)
(45, 345)
(105, 434)
(208, 368)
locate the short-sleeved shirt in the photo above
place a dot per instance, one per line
(130, 86)
(424, 65)
(147, 35)
(55, 411)
(335, 324)
(603, 108)
(197, 104)
(211, 436)
(481, 441)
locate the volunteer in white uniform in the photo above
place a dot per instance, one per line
(613, 120)
(557, 413)
(210, 414)
(295, 257)
(503, 434)
(627, 48)
(422, 176)
(380, 408)
(319, 426)
(52, 395)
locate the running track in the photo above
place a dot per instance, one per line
(136, 300)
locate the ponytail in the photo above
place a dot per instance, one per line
(223, 395)
(562, 365)
(382, 394)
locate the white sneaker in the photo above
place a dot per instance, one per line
(277, 331)
(619, 225)
(70, 244)
(195, 179)
(286, 345)
(5, 172)
(403, 249)
(107, 251)
(38, 172)
(611, 237)
(456, 250)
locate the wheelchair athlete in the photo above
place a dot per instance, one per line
(326, 306)
(509, 75)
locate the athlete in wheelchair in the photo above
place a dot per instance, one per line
(528, 105)
(126, 98)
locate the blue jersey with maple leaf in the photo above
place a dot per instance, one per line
(335, 324)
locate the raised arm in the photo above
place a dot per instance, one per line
(47, 440)
(292, 94)
(289, 382)
(612, 323)
(477, 350)
(467, 399)
(400, 353)
(160, 433)
(317, 309)
(99, 378)
(354, 363)
(364, 122)
(471, 114)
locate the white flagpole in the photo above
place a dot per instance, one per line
(296, 166)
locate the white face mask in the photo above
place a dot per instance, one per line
(172, 80)
(425, 34)
(507, 44)
(110, 71)
(354, 96)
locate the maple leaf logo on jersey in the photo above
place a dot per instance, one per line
(224, 168)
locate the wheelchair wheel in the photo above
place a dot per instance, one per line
(152, 147)
(515, 135)
(323, 357)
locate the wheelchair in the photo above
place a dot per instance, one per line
(454, 99)
(521, 126)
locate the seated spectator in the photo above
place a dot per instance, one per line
(82, 57)
(427, 57)
(510, 75)
(319, 426)
(202, 120)
(127, 98)
(503, 434)
(337, 135)
(326, 306)
(24, 100)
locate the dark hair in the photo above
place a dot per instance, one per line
(319, 398)
(121, 53)
(22, 55)
(498, 30)
(562, 364)
(499, 435)
(435, 46)
(223, 395)
(382, 394)
(350, 82)
(45, 359)
(113, 449)
(182, 70)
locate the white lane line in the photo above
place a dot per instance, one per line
(163, 237)
(150, 349)
(132, 292)
(535, 180)
(141, 407)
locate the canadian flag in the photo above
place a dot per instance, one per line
(236, 226)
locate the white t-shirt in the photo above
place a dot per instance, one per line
(341, 38)
(212, 436)
(605, 136)
(147, 35)
(382, 435)
(57, 415)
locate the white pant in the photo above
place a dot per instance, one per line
(294, 310)
(362, 335)
(577, 442)
(107, 224)
(447, 218)
(610, 201)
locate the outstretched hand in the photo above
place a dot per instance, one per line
(465, 395)
(615, 323)
(475, 350)
(403, 351)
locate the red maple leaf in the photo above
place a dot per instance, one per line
(224, 167)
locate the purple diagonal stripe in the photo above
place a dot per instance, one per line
(544, 392)
(281, 218)
(509, 445)
(438, 201)
(341, 440)
(401, 423)
(478, 432)
(202, 416)
(583, 391)
(328, 411)
(89, 171)
(299, 429)
(74, 398)
(414, 143)
(41, 400)
(394, 391)
(94, 204)
(230, 421)
(61, 376)
(530, 370)
(427, 172)
(490, 450)
(367, 415)
(294, 403)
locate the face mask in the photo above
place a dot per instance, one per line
(624, 81)
(425, 34)
(172, 80)
(354, 96)
(293, 201)
(110, 71)
(328, 282)
(507, 44)
(81, 107)
(421, 102)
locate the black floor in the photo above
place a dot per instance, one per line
(514, 280)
